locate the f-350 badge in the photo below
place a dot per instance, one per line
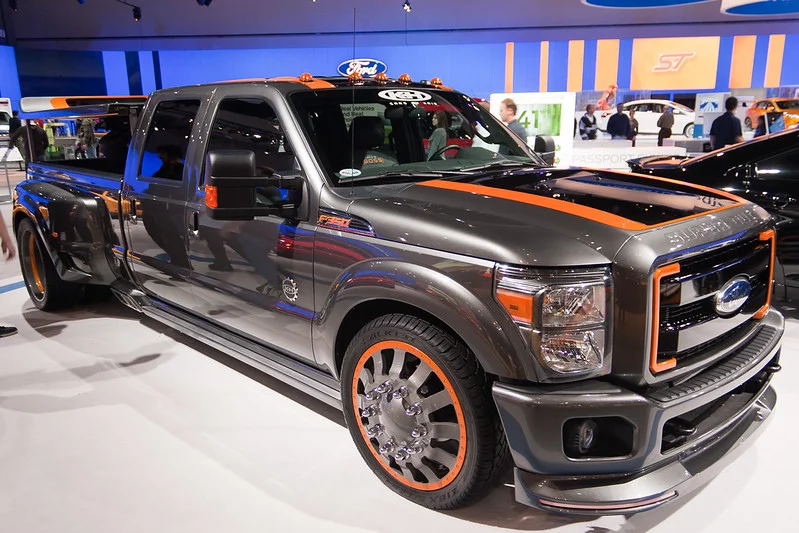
(290, 289)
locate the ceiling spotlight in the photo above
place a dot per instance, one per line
(204, 2)
(81, 1)
(13, 5)
(406, 6)
(136, 13)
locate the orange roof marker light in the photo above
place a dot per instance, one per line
(306, 77)
(404, 79)
(436, 82)
(381, 78)
(355, 77)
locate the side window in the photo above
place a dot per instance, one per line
(656, 108)
(168, 139)
(762, 105)
(252, 124)
(781, 167)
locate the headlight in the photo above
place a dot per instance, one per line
(564, 315)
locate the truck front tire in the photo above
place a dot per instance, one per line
(419, 408)
(46, 289)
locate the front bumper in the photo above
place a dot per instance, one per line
(727, 404)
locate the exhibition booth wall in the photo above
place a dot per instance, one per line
(663, 65)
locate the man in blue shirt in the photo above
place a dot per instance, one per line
(619, 124)
(727, 128)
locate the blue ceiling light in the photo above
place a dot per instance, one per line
(638, 4)
(759, 7)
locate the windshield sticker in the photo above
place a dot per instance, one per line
(404, 95)
(349, 172)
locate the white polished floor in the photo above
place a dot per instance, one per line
(110, 422)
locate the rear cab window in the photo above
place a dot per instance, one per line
(167, 143)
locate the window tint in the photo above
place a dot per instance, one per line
(168, 139)
(252, 124)
(780, 167)
(656, 108)
(762, 105)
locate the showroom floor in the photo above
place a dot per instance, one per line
(110, 422)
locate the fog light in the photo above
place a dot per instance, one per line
(597, 437)
(584, 436)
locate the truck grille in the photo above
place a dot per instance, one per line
(689, 326)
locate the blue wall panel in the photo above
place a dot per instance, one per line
(625, 71)
(116, 74)
(589, 66)
(526, 67)
(558, 66)
(474, 69)
(147, 72)
(790, 66)
(725, 60)
(9, 77)
(761, 58)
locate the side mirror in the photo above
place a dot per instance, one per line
(544, 145)
(231, 183)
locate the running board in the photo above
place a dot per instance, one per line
(303, 377)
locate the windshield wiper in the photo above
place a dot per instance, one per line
(505, 163)
(404, 174)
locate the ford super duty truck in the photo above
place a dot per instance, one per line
(465, 306)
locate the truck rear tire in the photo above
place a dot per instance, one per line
(419, 408)
(46, 289)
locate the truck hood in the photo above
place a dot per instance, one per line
(535, 217)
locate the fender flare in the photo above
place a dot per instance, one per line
(78, 259)
(435, 293)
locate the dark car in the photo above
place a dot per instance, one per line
(765, 171)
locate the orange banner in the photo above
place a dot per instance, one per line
(675, 63)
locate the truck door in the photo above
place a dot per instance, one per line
(156, 228)
(254, 277)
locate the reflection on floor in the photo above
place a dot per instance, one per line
(110, 422)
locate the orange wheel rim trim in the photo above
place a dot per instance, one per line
(461, 457)
(37, 279)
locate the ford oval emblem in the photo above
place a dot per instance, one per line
(733, 295)
(363, 66)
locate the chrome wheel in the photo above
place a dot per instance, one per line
(409, 415)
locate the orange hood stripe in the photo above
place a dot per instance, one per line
(540, 201)
(582, 211)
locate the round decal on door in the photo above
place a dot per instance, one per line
(290, 289)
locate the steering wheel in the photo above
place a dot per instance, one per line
(441, 151)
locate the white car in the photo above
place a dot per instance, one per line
(647, 113)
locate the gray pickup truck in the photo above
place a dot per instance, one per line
(390, 248)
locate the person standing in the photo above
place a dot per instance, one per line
(7, 246)
(37, 135)
(507, 112)
(761, 126)
(88, 141)
(619, 124)
(665, 123)
(633, 132)
(14, 123)
(438, 139)
(726, 129)
(588, 127)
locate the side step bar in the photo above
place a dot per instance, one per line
(303, 377)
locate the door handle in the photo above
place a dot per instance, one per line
(132, 215)
(194, 229)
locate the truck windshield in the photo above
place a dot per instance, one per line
(372, 132)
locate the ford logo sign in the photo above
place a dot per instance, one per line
(733, 295)
(364, 67)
